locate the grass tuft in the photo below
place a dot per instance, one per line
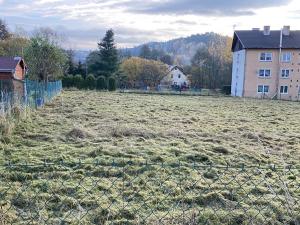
(221, 150)
(77, 133)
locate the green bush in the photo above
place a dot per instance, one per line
(90, 82)
(78, 81)
(112, 84)
(226, 89)
(65, 82)
(68, 81)
(101, 83)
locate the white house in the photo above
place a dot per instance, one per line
(175, 77)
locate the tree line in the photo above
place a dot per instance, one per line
(101, 67)
(47, 60)
(44, 57)
(211, 66)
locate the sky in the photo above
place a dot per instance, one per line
(83, 22)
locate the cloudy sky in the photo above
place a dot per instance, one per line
(83, 22)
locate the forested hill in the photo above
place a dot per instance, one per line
(181, 49)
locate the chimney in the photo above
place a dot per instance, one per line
(286, 30)
(267, 30)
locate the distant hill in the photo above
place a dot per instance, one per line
(182, 49)
(80, 55)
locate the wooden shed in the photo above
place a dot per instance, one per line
(12, 75)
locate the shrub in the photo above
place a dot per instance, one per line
(78, 81)
(226, 89)
(90, 82)
(101, 83)
(111, 84)
(68, 81)
(65, 82)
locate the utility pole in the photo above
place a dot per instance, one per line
(86, 69)
(279, 64)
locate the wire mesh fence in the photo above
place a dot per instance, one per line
(39, 93)
(133, 193)
(32, 94)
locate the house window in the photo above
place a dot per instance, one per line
(266, 57)
(284, 90)
(179, 76)
(286, 57)
(263, 89)
(172, 76)
(285, 73)
(264, 73)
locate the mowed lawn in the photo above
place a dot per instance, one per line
(88, 126)
(165, 130)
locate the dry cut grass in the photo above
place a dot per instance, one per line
(90, 125)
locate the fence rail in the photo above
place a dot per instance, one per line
(128, 193)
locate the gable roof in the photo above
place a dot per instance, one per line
(9, 64)
(255, 39)
(172, 68)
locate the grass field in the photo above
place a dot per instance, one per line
(89, 126)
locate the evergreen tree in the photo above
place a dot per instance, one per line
(90, 82)
(167, 59)
(92, 62)
(80, 69)
(108, 63)
(70, 62)
(101, 83)
(112, 86)
(146, 52)
(78, 81)
(4, 33)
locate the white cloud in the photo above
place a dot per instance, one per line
(42, 2)
(85, 21)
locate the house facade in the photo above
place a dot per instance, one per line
(12, 74)
(266, 64)
(175, 77)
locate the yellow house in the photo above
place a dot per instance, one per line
(266, 64)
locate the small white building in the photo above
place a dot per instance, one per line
(175, 77)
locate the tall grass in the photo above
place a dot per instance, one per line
(8, 121)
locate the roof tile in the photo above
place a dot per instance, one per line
(9, 63)
(255, 39)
